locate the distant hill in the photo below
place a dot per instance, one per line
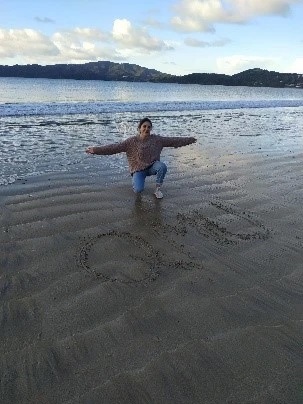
(110, 71)
(265, 78)
(104, 70)
(251, 78)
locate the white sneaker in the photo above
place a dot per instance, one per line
(158, 194)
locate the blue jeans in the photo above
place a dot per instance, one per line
(157, 168)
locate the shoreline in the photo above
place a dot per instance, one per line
(109, 298)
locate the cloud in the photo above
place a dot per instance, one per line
(84, 44)
(196, 43)
(125, 41)
(76, 37)
(93, 34)
(238, 63)
(127, 36)
(197, 15)
(154, 23)
(202, 15)
(78, 45)
(44, 20)
(25, 42)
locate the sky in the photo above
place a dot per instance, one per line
(173, 36)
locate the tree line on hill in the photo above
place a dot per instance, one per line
(110, 71)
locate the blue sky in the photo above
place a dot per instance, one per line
(172, 36)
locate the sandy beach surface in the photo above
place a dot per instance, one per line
(196, 298)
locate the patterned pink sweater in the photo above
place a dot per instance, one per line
(142, 153)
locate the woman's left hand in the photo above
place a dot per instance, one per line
(90, 150)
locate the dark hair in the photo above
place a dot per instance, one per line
(144, 120)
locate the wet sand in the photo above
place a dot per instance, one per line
(197, 298)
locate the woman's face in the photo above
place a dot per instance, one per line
(145, 129)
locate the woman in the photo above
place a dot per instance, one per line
(143, 154)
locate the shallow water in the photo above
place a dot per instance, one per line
(47, 124)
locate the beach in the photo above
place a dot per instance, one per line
(110, 298)
(196, 298)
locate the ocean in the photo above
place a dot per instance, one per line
(46, 125)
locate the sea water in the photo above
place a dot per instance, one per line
(46, 125)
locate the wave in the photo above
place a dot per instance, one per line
(44, 109)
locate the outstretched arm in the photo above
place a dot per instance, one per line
(106, 150)
(177, 141)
